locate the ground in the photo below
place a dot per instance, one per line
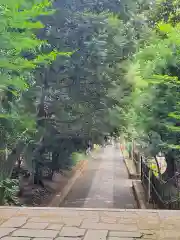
(88, 224)
(35, 195)
(104, 184)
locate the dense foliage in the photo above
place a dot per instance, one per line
(154, 72)
(18, 41)
(83, 95)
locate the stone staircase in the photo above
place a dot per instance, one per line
(87, 224)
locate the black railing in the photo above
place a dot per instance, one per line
(165, 194)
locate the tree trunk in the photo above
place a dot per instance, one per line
(170, 164)
(2, 189)
(7, 166)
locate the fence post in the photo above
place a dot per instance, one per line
(149, 185)
(132, 150)
(142, 171)
(140, 165)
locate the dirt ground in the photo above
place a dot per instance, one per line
(34, 195)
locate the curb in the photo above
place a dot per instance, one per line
(59, 198)
(139, 194)
(131, 169)
(21, 209)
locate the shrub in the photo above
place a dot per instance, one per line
(9, 189)
(77, 157)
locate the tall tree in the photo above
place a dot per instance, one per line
(156, 94)
(18, 42)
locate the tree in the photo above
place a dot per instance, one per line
(84, 95)
(156, 94)
(18, 42)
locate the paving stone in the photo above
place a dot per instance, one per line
(119, 238)
(14, 222)
(72, 232)
(42, 213)
(125, 234)
(16, 238)
(29, 212)
(121, 215)
(68, 213)
(96, 234)
(147, 215)
(89, 214)
(106, 226)
(126, 221)
(55, 226)
(68, 238)
(106, 219)
(8, 212)
(45, 220)
(147, 234)
(94, 220)
(148, 221)
(41, 239)
(168, 226)
(170, 234)
(31, 225)
(148, 225)
(152, 237)
(35, 233)
(6, 231)
(72, 222)
(2, 220)
(115, 214)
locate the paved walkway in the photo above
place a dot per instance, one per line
(88, 224)
(104, 184)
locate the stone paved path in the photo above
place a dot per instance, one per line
(104, 184)
(88, 224)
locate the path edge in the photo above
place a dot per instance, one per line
(130, 166)
(131, 169)
(139, 194)
(59, 197)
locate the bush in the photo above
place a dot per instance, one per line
(77, 157)
(9, 189)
